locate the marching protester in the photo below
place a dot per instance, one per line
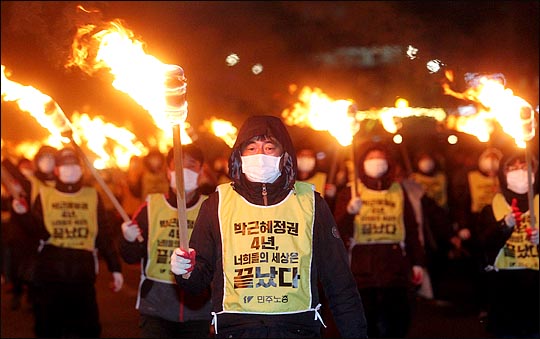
(308, 172)
(31, 175)
(72, 228)
(166, 310)
(264, 242)
(473, 190)
(149, 175)
(378, 226)
(510, 242)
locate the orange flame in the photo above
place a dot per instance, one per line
(40, 106)
(136, 73)
(321, 113)
(390, 117)
(222, 129)
(514, 114)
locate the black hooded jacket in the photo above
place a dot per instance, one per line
(329, 265)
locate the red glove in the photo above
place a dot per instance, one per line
(517, 213)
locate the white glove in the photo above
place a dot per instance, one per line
(130, 230)
(533, 235)
(182, 262)
(354, 205)
(20, 206)
(510, 220)
(118, 281)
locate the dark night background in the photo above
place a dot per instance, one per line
(351, 50)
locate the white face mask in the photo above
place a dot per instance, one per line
(46, 164)
(69, 174)
(190, 180)
(426, 165)
(375, 168)
(488, 165)
(517, 181)
(261, 168)
(306, 164)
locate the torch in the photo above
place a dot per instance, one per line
(176, 112)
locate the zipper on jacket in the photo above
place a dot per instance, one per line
(264, 195)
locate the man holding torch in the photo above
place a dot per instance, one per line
(511, 240)
(166, 310)
(71, 226)
(264, 242)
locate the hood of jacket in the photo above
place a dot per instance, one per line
(268, 126)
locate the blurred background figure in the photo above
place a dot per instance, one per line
(151, 177)
(474, 189)
(510, 242)
(309, 171)
(377, 222)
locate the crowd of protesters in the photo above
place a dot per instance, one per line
(423, 225)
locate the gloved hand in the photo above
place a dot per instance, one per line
(131, 230)
(510, 220)
(464, 234)
(118, 281)
(182, 262)
(330, 190)
(20, 206)
(418, 275)
(354, 205)
(533, 236)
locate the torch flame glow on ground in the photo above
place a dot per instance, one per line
(136, 73)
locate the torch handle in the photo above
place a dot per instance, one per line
(103, 185)
(180, 191)
(530, 192)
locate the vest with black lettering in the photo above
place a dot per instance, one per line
(267, 252)
(435, 187)
(319, 181)
(163, 235)
(380, 220)
(70, 218)
(517, 252)
(482, 189)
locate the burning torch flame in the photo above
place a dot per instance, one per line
(321, 113)
(390, 117)
(136, 73)
(222, 129)
(514, 114)
(41, 106)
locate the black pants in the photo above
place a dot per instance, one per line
(388, 311)
(66, 310)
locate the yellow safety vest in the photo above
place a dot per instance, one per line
(482, 189)
(517, 252)
(435, 186)
(319, 181)
(36, 185)
(163, 235)
(380, 220)
(267, 252)
(70, 218)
